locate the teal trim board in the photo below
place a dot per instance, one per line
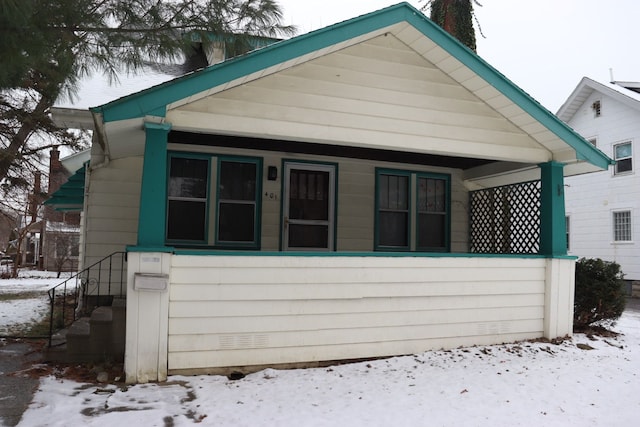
(70, 195)
(155, 100)
(553, 240)
(153, 196)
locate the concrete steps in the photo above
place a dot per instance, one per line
(98, 338)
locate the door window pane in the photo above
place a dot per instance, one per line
(309, 197)
(308, 236)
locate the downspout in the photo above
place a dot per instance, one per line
(100, 136)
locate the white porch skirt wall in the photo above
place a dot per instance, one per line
(238, 311)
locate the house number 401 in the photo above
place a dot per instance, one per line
(272, 196)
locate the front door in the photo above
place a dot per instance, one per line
(308, 207)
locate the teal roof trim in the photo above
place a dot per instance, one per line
(153, 101)
(70, 195)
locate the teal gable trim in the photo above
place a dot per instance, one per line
(153, 195)
(70, 195)
(154, 100)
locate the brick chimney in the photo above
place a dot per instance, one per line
(36, 198)
(57, 175)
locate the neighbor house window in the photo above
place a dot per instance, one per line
(233, 207)
(622, 226)
(597, 108)
(623, 157)
(412, 211)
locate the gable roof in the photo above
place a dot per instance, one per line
(587, 86)
(409, 26)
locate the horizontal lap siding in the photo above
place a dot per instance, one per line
(111, 218)
(227, 311)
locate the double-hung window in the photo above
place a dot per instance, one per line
(188, 191)
(224, 191)
(237, 202)
(412, 212)
(623, 156)
(622, 226)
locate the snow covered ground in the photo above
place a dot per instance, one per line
(520, 384)
(24, 300)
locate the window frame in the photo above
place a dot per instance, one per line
(196, 156)
(392, 172)
(257, 219)
(211, 238)
(615, 157)
(615, 227)
(413, 227)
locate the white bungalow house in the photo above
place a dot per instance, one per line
(603, 208)
(369, 189)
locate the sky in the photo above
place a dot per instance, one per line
(515, 384)
(544, 46)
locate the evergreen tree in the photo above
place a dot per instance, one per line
(48, 45)
(456, 18)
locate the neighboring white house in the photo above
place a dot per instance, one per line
(603, 208)
(369, 189)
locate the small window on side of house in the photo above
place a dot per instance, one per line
(622, 226)
(593, 141)
(597, 108)
(622, 154)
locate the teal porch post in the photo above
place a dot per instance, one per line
(553, 235)
(153, 196)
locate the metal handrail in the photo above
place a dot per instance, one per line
(83, 281)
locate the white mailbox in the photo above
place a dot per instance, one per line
(150, 282)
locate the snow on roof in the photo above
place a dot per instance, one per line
(62, 227)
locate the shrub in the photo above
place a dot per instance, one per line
(599, 292)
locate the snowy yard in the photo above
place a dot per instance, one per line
(518, 384)
(24, 300)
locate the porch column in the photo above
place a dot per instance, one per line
(153, 196)
(553, 233)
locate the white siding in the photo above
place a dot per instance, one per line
(111, 216)
(239, 311)
(591, 199)
(381, 94)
